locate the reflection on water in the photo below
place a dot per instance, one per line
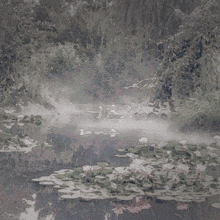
(66, 149)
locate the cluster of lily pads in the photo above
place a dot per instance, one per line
(37, 120)
(20, 142)
(167, 171)
(9, 117)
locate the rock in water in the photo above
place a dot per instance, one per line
(164, 116)
(152, 115)
(104, 114)
(140, 116)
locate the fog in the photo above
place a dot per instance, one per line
(64, 112)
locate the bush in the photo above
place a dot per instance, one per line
(183, 57)
(53, 61)
(201, 110)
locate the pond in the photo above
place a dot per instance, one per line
(79, 164)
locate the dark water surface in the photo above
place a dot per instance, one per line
(23, 199)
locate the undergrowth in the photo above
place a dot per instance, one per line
(201, 109)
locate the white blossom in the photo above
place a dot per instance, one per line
(168, 166)
(183, 168)
(200, 167)
(87, 168)
(143, 140)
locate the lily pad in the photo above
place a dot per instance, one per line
(38, 123)
(192, 147)
(46, 183)
(216, 205)
(102, 164)
(4, 136)
(180, 175)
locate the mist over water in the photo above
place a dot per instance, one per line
(66, 113)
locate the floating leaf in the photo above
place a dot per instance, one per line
(216, 205)
(121, 150)
(168, 166)
(126, 196)
(46, 183)
(102, 164)
(179, 176)
(100, 177)
(192, 147)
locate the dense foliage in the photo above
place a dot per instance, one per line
(111, 38)
(189, 51)
(191, 68)
(26, 27)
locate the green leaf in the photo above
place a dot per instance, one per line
(102, 164)
(216, 205)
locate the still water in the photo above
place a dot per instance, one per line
(69, 146)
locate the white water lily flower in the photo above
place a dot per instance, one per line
(169, 152)
(138, 162)
(175, 179)
(168, 166)
(20, 116)
(113, 132)
(183, 142)
(114, 185)
(9, 126)
(200, 167)
(143, 140)
(113, 112)
(162, 144)
(197, 153)
(134, 168)
(121, 170)
(216, 137)
(111, 176)
(131, 155)
(82, 132)
(212, 154)
(87, 168)
(183, 168)
(147, 169)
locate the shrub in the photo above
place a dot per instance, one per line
(201, 110)
(53, 61)
(183, 57)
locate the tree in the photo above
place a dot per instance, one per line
(182, 62)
